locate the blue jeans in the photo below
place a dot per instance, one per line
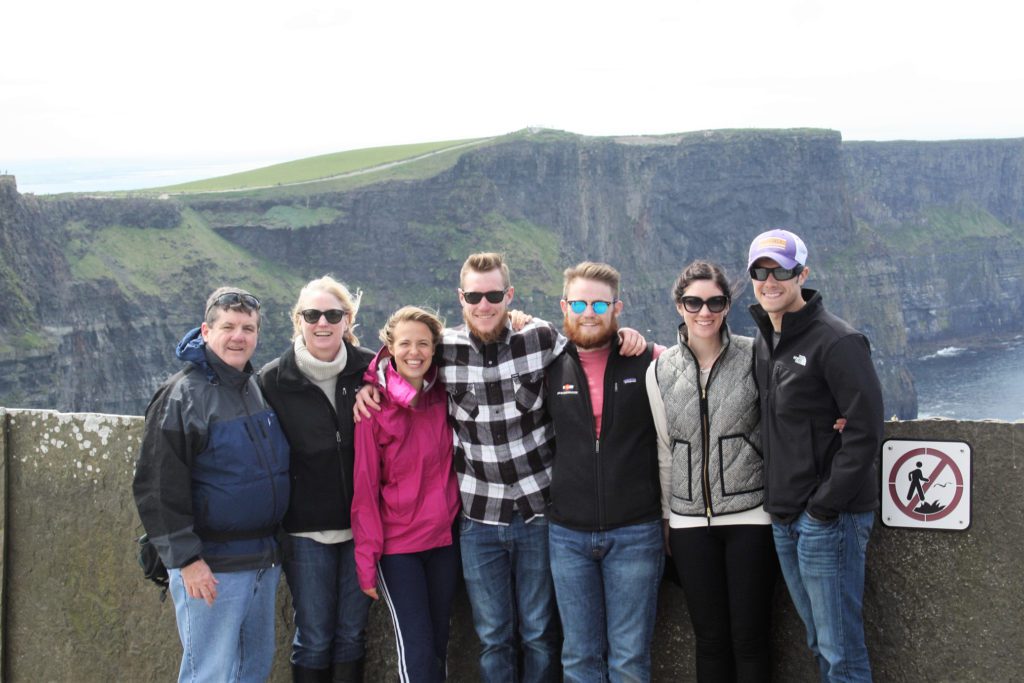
(606, 583)
(330, 609)
(508, 579)
(232, 640)
(823, 564)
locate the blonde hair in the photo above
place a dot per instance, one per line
(485, 262)
(589, 270)
(349, 303)
(412, 314)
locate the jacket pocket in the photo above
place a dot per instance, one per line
(682, 471)
(742, 468)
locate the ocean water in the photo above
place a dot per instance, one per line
(972, 383)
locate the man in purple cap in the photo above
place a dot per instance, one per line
(821, 485)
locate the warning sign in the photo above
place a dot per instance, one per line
(926, 484)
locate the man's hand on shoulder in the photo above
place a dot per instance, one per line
(519, 319)
(631, 342)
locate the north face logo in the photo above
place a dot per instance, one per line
(800, 359)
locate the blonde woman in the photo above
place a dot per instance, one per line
(311, 387)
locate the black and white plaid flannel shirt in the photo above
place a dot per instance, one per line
(504, 438)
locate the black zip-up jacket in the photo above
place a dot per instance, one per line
(322, 439)
(820, 370)
(599, 484)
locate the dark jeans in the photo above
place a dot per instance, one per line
(418, 589)
(330, 610)
(728, 574)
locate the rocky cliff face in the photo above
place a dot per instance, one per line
(911, 242)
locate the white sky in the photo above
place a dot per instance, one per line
(226, 81)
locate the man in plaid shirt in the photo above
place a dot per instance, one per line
(503, 450)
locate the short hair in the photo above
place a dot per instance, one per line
(349, 303)
(412, 314)
(589, 270)
(485, 262)
(213, 308)
(700, 270)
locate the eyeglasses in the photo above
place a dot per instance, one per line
(230, 299)
(779, 273)
(715, 304)
(493, 297)
(600, 307)
(334, 315)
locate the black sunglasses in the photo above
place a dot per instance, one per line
(334, 315)
(779, 273)
(235, 299)
(493, 297)
(715, 304)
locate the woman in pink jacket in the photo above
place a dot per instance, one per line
(406, 496)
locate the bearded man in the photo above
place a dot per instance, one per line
(605, 534)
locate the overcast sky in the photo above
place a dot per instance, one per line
(137, 84)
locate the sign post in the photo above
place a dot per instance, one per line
(926, 484)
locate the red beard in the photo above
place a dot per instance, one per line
(587, 338)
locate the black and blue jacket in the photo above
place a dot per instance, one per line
(212, 476)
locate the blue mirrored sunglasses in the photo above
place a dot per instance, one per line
(600, 307)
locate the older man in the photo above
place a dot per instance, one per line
(211, 486)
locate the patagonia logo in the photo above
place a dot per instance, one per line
(567, 389)
(800, 359)
(629, 380)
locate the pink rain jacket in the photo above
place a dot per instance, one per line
(406, 495)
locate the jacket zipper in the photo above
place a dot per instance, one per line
(705, 431)
(259, 446)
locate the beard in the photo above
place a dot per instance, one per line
(587, 338)
(491, 336)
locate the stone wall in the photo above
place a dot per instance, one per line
(939, 606)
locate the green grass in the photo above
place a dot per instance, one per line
(159, 262)
(313, 168)
(944, 225)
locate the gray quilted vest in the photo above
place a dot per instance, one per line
(731, 478)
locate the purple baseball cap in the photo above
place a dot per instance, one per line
(782, 246)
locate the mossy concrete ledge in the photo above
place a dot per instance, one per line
(939, 606)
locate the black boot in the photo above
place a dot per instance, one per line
(348, 672)
(301, 674)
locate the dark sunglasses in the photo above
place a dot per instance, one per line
(779, 273)
(493, 297)
(334, 316)
(235, 299)
(600, 307)
(715, 304)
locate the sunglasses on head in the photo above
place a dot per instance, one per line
(715, 304)
(235, 299)
(312, 315)
(600, 307)
(779, 273)
(493, 297)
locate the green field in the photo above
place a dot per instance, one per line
(314, 169)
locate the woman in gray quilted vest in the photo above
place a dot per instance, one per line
(705, 407)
